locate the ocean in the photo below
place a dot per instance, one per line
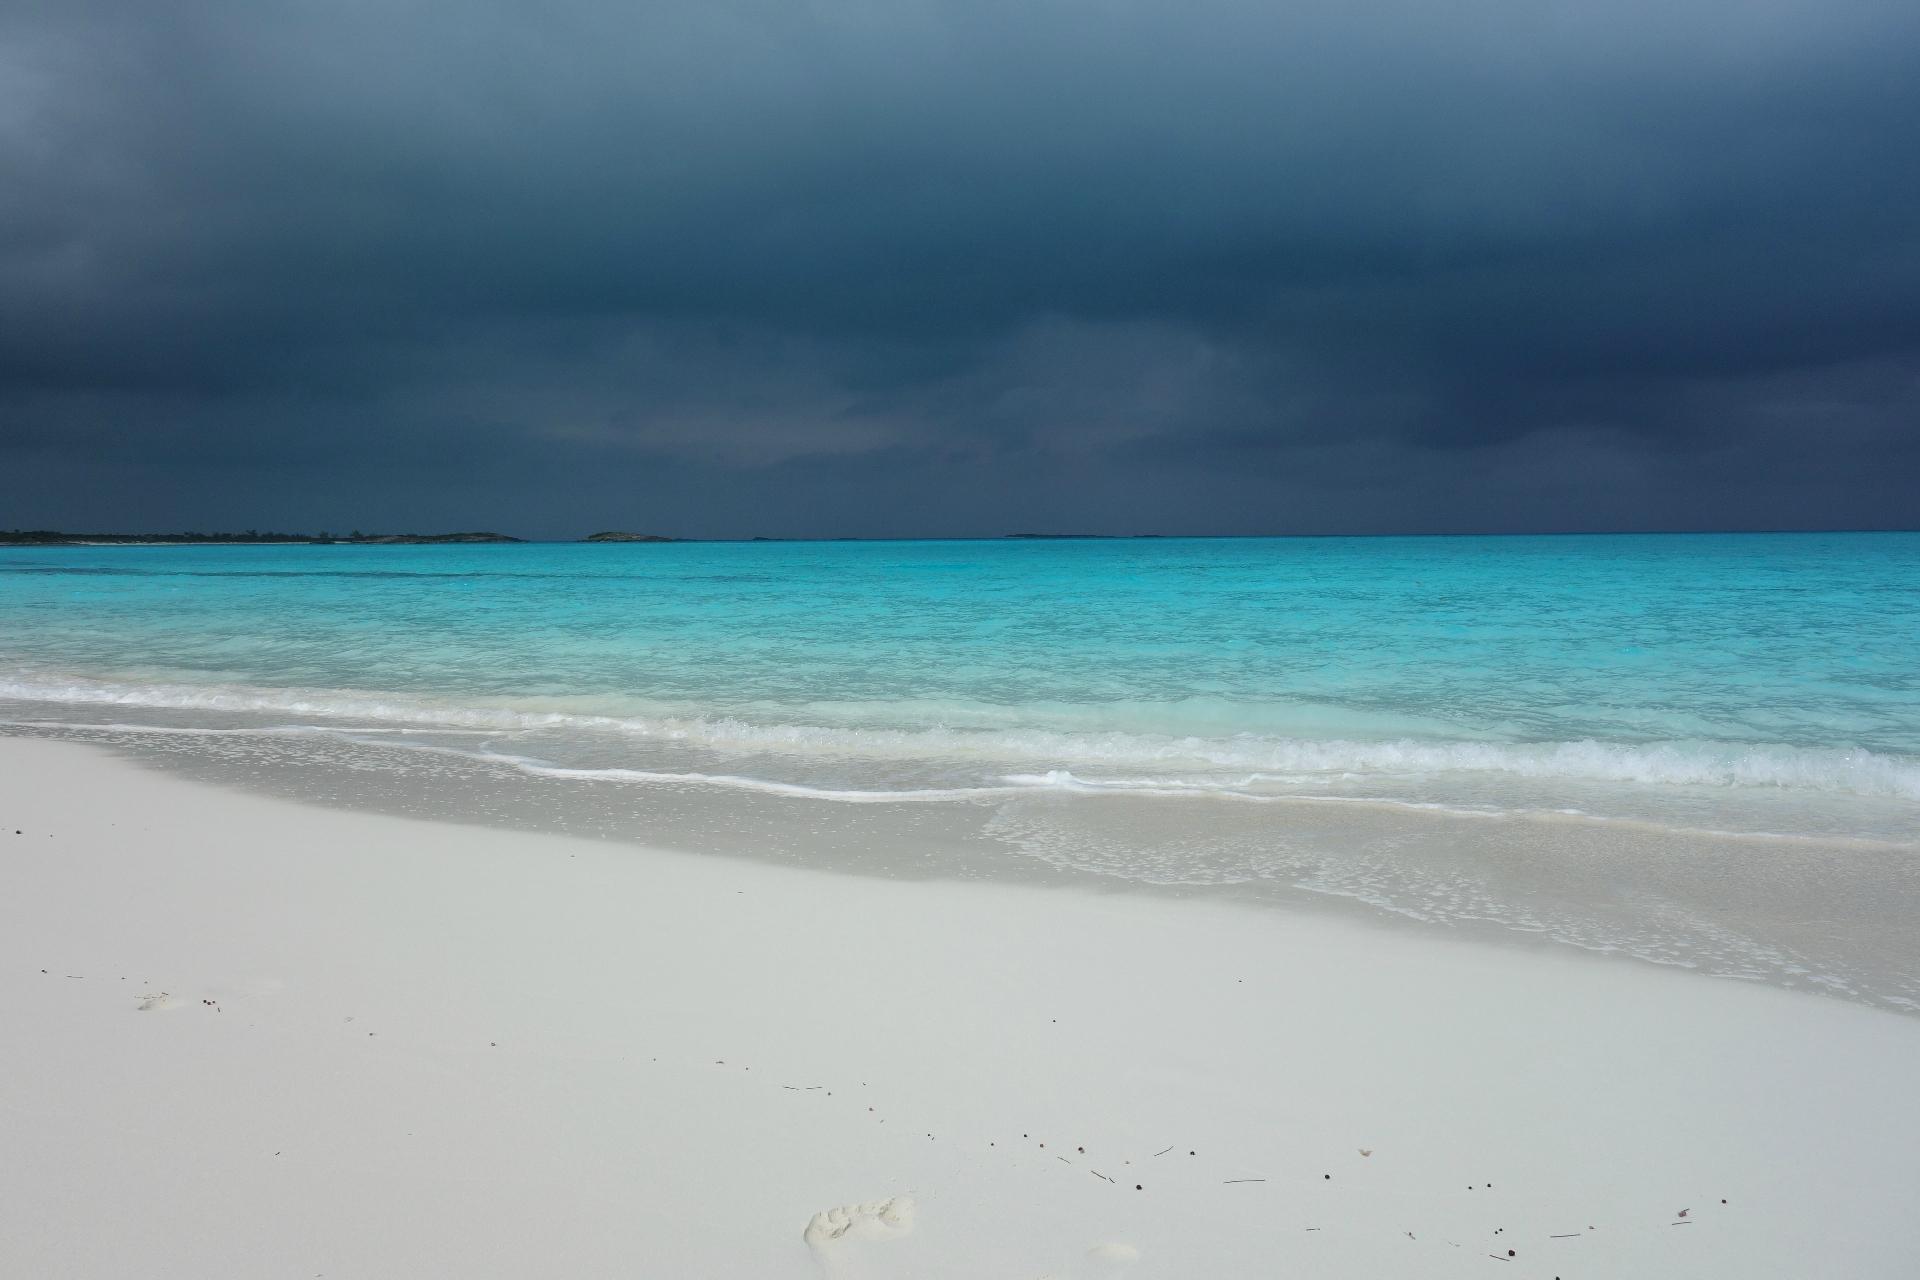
(1623, 742)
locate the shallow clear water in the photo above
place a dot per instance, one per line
(1693, 679)
(1702, 750)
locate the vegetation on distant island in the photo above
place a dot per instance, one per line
(385, 539)
(55, 538)
(52, 537)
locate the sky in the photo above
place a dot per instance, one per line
(731, 268)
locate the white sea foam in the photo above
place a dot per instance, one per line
(844, 794)
(1083, 759)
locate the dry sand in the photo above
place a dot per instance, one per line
(245, 1038)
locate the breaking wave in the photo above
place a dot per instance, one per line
(1017, 757)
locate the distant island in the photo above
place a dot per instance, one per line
(411, 539)
(55, 538)
(260, 537)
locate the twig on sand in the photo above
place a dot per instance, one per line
(1684, 1223)
(1161, 1153)
(1230, 1181)
(1497, 1258)
(1096, 1173)
(1571, 1235)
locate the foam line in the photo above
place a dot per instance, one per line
(1226, 763)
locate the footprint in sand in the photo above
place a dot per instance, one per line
(1107, 1261)
(839, 1237)
(213, 997)
(840, 1240)
(1103, 1262)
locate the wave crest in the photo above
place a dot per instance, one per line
(1054, 758)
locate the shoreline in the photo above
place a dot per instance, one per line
(500, 1052)
(1810, 915)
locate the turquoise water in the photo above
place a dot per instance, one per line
(1699, 751)
(1750, 682)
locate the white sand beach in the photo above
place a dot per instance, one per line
(249, 1038)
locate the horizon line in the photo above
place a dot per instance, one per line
(42, 537)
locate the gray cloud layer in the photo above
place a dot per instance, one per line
(752, 266)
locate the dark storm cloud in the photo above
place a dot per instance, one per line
(866, 268)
